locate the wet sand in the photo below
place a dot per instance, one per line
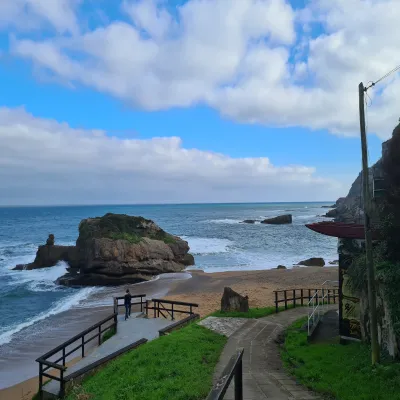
(17, 359)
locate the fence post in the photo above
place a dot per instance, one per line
(62, 384)
(40, 380)
(63, 356)
(285, 296)
(83, 346)
(294, 298)
(141, 303)
(276, 302)
(329, 296)
(155, 307)
(147, 308)
(301, 295)
(239, 381)
(115, 323)
(172, 311)
(309, 294)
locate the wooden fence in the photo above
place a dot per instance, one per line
(300, 297)
(160, 308)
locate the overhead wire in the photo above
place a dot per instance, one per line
(383, 77)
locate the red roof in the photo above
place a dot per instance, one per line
(341, 230)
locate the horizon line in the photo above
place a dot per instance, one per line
(159, 204)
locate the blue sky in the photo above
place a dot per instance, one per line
(210, 122)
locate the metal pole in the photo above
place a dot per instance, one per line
(239, 381)
(368, 235)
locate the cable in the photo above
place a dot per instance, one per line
(383, 77)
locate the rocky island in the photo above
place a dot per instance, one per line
(115, 249)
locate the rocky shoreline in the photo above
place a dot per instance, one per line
(115, 249)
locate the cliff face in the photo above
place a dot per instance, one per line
(350, 208)
(116, 249)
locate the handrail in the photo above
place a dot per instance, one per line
(45, 364)
(234, 368)
(136, 296)
(76, 337)
(159, 308)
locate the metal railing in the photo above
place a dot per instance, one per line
(118, 305)
(317, 304)
(45, 363)
(159, 307)
(234, 368)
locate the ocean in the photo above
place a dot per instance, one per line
(217, 240)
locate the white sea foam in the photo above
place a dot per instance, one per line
(62, 305)
(224, 221)
(202, 246)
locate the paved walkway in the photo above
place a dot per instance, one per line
(263, 373)
(128, 332)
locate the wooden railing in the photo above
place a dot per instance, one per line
(160, 308)
(177, 325)
(117, 304)
(234, 368)
(45, 363)
(301, 297)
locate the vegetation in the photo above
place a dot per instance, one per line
(134, 239)
(341, 371)
(179, 366)
(252, 313)
(121, 227)
(110, 333)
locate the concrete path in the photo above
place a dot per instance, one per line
(128, 332)
(263, 373)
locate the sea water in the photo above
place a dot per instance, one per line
(217, 239)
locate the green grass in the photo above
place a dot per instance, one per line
(131, 238)
(252, 313)
(110, 333)
(179, 366)
(339, 371)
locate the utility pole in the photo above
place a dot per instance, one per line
(368, 234)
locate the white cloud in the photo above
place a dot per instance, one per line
(237, 57)
(44, 161)
(30, 14)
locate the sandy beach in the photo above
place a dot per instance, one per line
(196, 286)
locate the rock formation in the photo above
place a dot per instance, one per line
(249, 221)
(116, 249)
(281, 219)
(313, 262)
(281, 267)
(233, 301)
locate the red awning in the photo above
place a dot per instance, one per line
(341, 230)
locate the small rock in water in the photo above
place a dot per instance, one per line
(233, 301)
(50, 240)
(249, 221)
(281, 219)
(313, 262)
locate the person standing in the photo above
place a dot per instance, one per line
(127, 302)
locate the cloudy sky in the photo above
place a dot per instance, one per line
(156, 101)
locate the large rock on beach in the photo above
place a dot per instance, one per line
(117, 249)
(233, 301)
(281, 219)
(313, 262)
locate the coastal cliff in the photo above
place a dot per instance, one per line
(116, 249)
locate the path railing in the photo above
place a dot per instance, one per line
(318, 302)
(118, 304)
(160, 307)
(59, 364)
(300, 297)
(234, 368)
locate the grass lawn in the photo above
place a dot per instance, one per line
(343, 372)
(253, 312)
(179, 366)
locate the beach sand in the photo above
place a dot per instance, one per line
(202, 288)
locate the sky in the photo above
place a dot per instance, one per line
(156, 101)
